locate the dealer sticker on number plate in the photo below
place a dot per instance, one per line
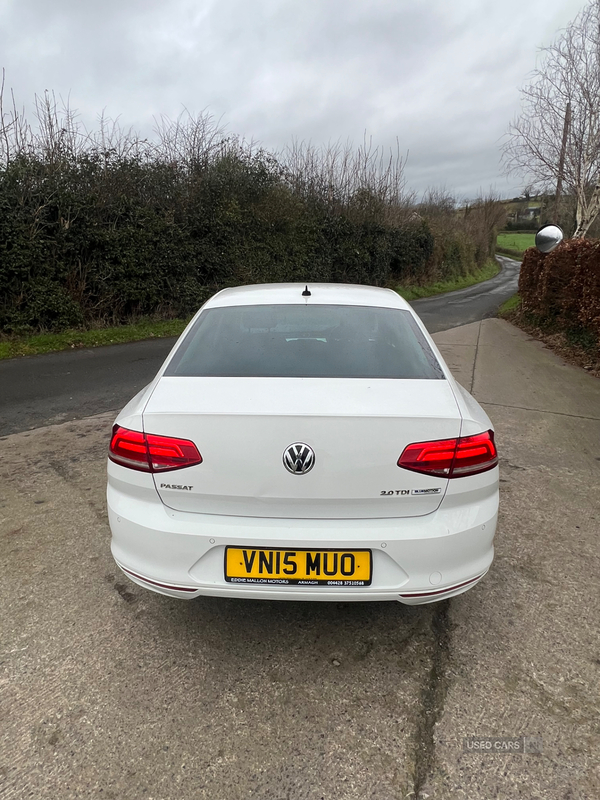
(298, 567)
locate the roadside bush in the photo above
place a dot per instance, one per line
(458, 256)
(103, 241)
(463, 238)
(412, 250)
(102, 228)
(563, 287)
(44, 305)
(522, 227)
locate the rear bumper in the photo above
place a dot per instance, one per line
(416, 560)
(410, 598)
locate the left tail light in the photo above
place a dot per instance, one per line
(451, 458)
(151, 453)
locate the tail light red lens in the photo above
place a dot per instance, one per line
(151, 453)
(475, 454)
(452, 458)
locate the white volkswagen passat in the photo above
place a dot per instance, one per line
(304, 443)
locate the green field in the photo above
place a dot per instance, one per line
(518, 242)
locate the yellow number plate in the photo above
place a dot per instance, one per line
(298, 567)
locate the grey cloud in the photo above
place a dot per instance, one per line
(441, 77)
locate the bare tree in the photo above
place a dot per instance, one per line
(566, 84)
(346, 177)
(15, 131)
(193, 140)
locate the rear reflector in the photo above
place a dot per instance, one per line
(443, 591)
(151, 453)
(156, 583)
(452, 458)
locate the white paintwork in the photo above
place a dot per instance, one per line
(340, 294)
(242, 495)
(357, 428)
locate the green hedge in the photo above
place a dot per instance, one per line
(562, 288)
(101, 239)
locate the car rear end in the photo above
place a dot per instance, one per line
(292, 450)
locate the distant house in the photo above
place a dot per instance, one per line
(520, 211)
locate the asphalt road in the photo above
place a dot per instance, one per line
(72, 384)
(477, 302)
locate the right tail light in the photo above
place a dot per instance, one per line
(452, 458)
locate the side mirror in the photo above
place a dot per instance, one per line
(548, 237)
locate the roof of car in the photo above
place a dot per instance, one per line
(320, 293)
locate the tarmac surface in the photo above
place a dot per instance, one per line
(55, 387)
(110, 691)
(452, 309)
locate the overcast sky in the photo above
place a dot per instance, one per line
(440, 75)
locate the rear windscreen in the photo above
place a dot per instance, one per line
(305, 341)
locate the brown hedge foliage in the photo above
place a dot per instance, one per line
(564, 286)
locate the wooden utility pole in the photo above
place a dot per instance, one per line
(561, 163)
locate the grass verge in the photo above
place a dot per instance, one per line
(415, 292)
(510, 306)
(10, 347)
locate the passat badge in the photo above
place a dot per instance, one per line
(298, 458)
